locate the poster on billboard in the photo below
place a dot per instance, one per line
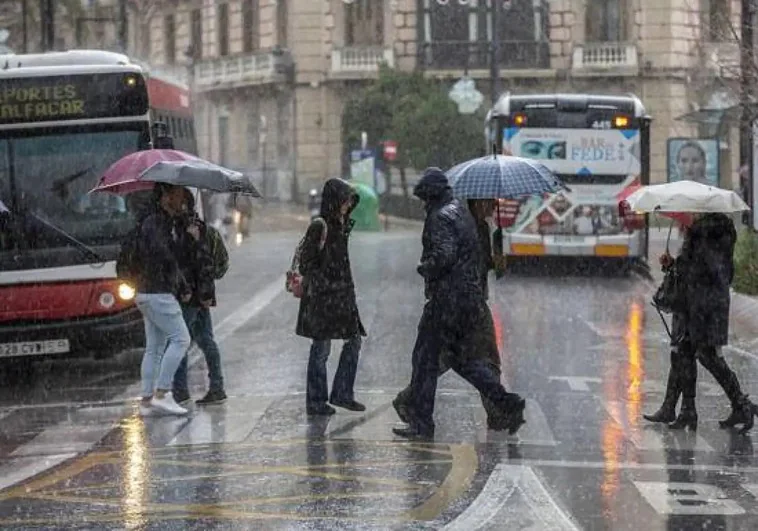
(693, 159)
(754, 176)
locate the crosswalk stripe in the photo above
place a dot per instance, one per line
(501, 486)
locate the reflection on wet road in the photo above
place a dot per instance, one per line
(586, 351)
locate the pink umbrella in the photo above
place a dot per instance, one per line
(123, 175)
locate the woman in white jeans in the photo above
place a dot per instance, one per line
(159, 284)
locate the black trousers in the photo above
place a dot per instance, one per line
(485, 347)
(684, 358)
(451, 329)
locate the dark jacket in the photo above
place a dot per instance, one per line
(328, 308)
(158, 248)
(706, 264)
(195, 261)
(451, 260)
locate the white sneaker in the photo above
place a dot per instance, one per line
(168, 405)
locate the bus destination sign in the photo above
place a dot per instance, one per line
(56, 102)
(72, 97)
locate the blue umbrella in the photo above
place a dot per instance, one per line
(502, 177)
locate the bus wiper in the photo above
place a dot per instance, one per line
(60, 186)
(83, 247)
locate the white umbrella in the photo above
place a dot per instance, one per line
(685, 196)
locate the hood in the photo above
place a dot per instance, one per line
(336, 192)
(432, 186)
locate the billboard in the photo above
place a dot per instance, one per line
(577, 151)
(693, 159)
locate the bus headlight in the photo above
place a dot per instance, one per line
(125, 292)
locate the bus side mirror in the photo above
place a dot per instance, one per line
(165, 142)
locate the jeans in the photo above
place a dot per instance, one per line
(200, 326)
(166, 339)
(344, 380)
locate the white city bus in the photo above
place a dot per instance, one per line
(599, 146)
(64, 118)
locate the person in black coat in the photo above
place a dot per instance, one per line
(484, 344)
(699, 332)
(455, 305)
(328, 307)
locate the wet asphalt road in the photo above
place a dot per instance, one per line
(586, 351)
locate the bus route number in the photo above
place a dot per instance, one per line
(601, 124)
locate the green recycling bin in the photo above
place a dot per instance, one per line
(366, 214)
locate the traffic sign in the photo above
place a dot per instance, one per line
(390, 150)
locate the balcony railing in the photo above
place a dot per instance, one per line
(240, 70)
(354, 59)
(455, 55)
(605, 58)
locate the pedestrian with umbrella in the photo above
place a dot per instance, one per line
(149, 255)
(696, 291)
(454, 310)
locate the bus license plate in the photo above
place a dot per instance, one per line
(34, 348)
(568, 238)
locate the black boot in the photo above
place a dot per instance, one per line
(687, 418)
(667, 411)
(743, 411)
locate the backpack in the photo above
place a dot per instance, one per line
(128, 262)
(295, 282)
(219, 253)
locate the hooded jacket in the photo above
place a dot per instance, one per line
(328, 308)
(451, 256)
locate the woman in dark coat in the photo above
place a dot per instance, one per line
(328, 308)
(699, 333)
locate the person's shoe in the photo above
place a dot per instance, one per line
(321, 409)
(413, 434)
(514, 416)
(687, 419)
(664, 415)
(743, 412)
(167, 404)
(350, 405)
(180, 397)
(402, 410)
(212, 398)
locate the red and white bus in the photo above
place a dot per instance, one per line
(64, 118)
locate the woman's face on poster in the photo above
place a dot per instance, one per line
(691, 164)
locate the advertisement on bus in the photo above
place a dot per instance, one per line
(599, 166)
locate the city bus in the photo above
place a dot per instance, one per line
(600, 148)
(64, 118)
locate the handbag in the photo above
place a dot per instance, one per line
(671, 295)
(295, 281)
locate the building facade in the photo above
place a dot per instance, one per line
(270, 77)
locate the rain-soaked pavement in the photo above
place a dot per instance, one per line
(586, 351)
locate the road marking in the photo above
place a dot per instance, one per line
(50, 438)
(502, 484)
(693, 499)
(577, 383)
(21, 469)
(601, 465)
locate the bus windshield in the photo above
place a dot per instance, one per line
(47, 176)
